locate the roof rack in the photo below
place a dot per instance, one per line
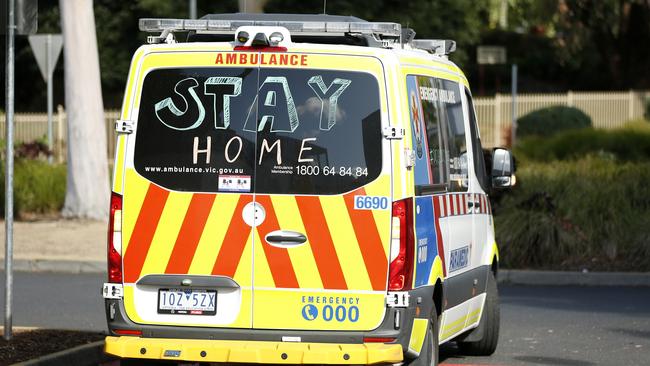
(442, 47)
(383, 33)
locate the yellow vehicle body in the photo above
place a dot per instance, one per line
(299, 270)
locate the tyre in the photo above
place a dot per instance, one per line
(490, 323)
(429, 354)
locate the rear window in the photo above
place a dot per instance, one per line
(297, 131)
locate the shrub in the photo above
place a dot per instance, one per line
(625, 144)
(39, 188)
(590, 213)
(551, 120)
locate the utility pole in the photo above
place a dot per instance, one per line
(513, 89)
(22, 19)
(9, 168)
(192, 5)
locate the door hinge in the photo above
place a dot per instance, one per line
(409, 158)
(124, 126)
(393, 133)
(398, 299)
(113, 291)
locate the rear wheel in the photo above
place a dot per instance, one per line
(429, 354)
(490, 323)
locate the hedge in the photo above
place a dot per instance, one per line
(552, 120)
(591, 213)
(39, 188)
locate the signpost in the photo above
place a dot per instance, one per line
(496, 55)
(513, 90)
(47, 48)
(489, 55)
(9, 168)
(18, 17)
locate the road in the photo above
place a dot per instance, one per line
(560, 326)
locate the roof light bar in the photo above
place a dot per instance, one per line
(387, 30)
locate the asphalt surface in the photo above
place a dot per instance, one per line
(540, 325)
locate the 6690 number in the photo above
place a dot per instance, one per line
(370, 202)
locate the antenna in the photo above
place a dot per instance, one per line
(324, 6)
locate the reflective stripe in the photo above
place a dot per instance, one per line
(213, 235)
(143, 232)
(418, 334)
(321, 242)
(277, 258)
(190, 233)
(235, 242)
(437, 210)
(446, 208)
(369, 241)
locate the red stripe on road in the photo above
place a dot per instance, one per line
(321, 243)
(143, 231)
(190, 233)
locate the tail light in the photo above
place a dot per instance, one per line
(400, 272)
(378, 339)
(128, 332)
(115, 239)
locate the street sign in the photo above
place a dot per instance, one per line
(490, 55)
(47, 48)
(39, 43)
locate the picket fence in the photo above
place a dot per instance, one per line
(606, 109)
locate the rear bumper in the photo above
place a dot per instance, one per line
(199, 350)
(397, 325)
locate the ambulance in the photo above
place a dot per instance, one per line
(299, 189)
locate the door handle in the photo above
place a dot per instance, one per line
(285, 238)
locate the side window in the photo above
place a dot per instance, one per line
(438, 135)
(431, 172)
(477, 151)
(450, 99)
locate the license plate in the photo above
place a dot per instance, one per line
(187, 302)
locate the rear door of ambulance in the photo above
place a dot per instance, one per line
(266, 169)
(322, 180)
(188, 192)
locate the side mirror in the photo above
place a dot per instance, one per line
(502, 169)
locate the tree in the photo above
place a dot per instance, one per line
(610, 36)
(251, 6)
(87, 191)
(461, 21)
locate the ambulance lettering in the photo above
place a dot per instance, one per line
(330, 308)
(170, 115)
(271, 88)
(459, 259)
(330, 96)
(263, 59)
(278, 112)
(224, 88)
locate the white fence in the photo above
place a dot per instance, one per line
(33, 126)
(606, 109)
